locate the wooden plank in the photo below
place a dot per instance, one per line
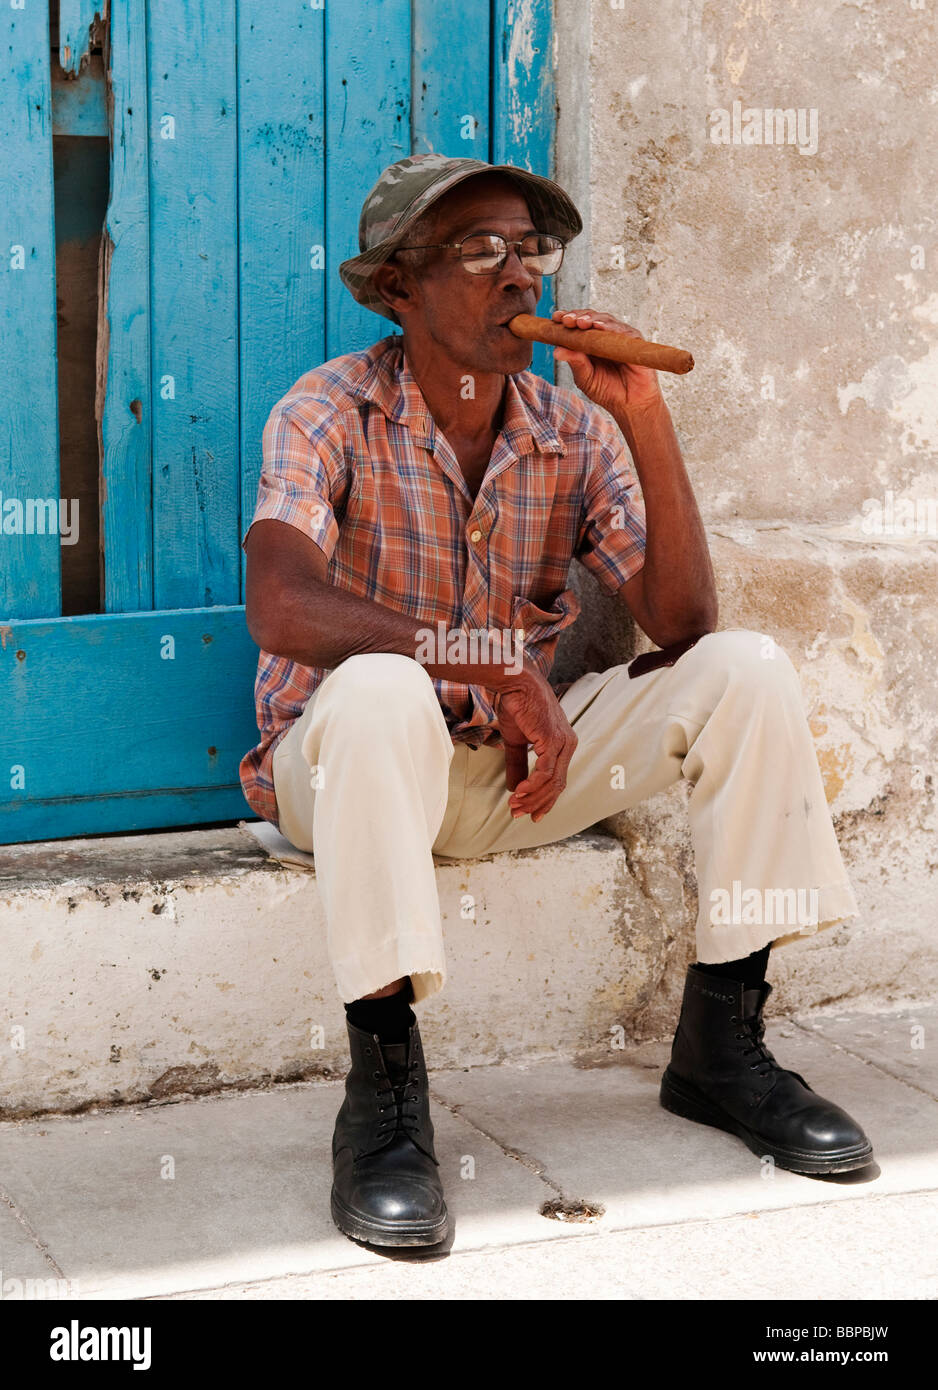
(75, 20)
(523, 122)
(194, 302)
(281, 216)
(450, 112)
(367, 127)
(124, 721)
(30, 558)
(123, 406)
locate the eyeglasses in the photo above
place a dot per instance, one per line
(484, 253)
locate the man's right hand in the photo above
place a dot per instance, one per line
(528, 712)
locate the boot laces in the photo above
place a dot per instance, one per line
(764, 1063)
(404, 1119)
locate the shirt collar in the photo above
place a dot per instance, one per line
(395, 391)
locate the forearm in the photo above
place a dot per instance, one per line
(679, 590)
(325, 625)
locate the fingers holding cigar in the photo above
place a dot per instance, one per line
(604, 336)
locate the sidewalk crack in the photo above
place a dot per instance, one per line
(34, 1236)
(868, 1061)
(533, 1165)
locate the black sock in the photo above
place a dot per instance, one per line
(750, 970)
(391, 1017)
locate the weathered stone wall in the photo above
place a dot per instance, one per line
(802, 277)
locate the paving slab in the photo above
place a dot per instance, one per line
(875, 1248)
(140, 1201)
(231, 1192)
(902, 1042)
(600, 1134)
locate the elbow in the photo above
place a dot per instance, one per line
(691, 622)
(263, 631)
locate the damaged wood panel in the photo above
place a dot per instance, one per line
(194, 302)
(451, 99)
(123, 404)
(79, 104)
(523, 116)
(367, 128)
(30, 560)
(111, 751)
(281, 217)
(75, 20)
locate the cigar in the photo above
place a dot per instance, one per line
(599, 342)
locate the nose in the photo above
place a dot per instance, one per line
(514, 274)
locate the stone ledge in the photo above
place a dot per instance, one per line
(152, 966)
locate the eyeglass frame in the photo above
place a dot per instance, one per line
(508, 245)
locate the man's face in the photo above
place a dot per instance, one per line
(462, 313)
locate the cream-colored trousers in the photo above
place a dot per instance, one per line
(369, 780)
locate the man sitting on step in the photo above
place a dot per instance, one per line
(428, 490)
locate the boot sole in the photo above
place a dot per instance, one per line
(683, 1099)
(350, 1223)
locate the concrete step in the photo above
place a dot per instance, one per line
(228, 1196)
(154, 965)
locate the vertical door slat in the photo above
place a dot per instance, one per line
(124, 404)
(75, 20)
(194, 302)
(451, 78)
(281, 195)
(30, 554)
(367, 128)
(523, 112)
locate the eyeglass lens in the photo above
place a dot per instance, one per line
(485, 253)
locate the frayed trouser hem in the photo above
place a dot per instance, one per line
(392, 960)
(717, 943)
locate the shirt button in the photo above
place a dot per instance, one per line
(475, 536)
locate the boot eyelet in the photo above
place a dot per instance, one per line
(734, 1019)
(376, 1075)
(367, 1051)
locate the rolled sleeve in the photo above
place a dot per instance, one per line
(303, 479)
(611, 543)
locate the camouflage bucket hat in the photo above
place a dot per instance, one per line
(406, 189)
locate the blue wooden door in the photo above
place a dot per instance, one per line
(243, 140)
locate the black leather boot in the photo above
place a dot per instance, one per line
(386, 1186)
(721, 1073)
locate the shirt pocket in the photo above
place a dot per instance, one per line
(542, 626)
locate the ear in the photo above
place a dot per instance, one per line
(393, 284)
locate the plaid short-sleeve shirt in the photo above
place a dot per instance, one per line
(353, 458)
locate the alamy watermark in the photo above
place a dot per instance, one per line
(475, 645)
(765, 125)
(14, 1287)
(899, 516)
(757, 907)
(40, 516)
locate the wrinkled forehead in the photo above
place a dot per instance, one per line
(490, 197)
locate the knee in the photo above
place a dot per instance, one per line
(381, 684)
(752, 661)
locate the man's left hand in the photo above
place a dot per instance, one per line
(616, 386)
